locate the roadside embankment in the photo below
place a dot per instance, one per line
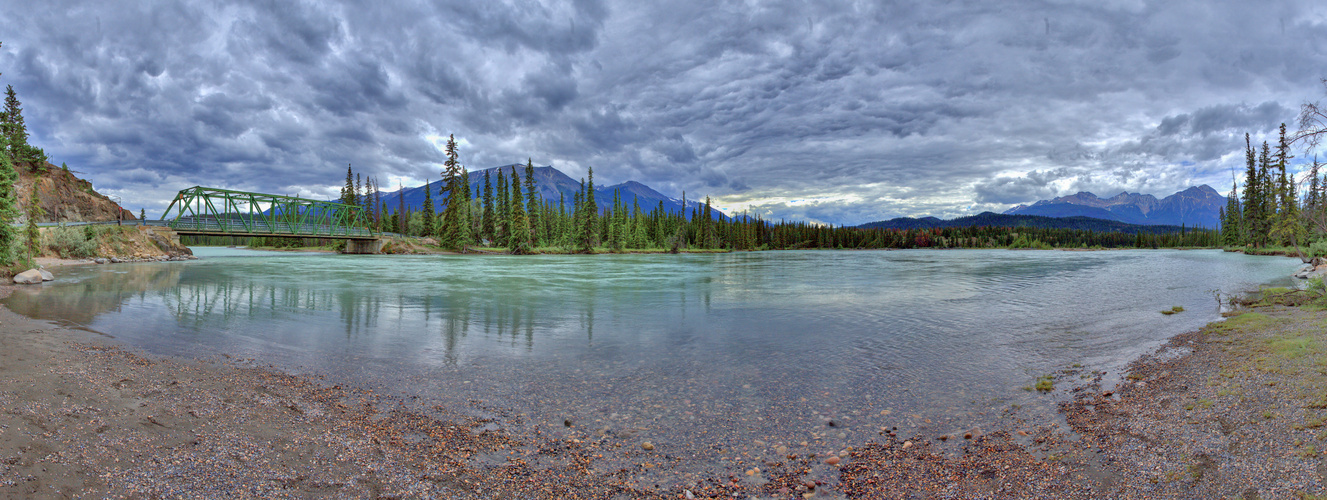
(111, 243)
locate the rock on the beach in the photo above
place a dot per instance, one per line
(46, 275)
(647, 446)
(29, 277)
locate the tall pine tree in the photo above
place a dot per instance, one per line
(426, 224)
(457, 195)
(486, 225)
(519, 240)
(348, 191)
(532, 202)
(8, 210)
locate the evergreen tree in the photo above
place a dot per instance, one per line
(402, 222)
(142, 214)
(1232, 233)
(486, 224)
(348, 191)
(532, 202)
(464, 229)
(502, 227)
(519, 240)
(8, 210)
(357, 198)
(1286, 216)
(14, 129)
(452, 188)
(33, 234)
(591, 235)
(426, 226)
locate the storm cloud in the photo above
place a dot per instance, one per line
(839, 112)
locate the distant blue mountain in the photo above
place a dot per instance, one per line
(551, 184)
(1194, 207)
(991, 219)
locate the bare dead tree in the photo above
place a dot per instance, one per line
(1312, 123)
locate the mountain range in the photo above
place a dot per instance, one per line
(992, 219)
(1194, 207)
(552, 184)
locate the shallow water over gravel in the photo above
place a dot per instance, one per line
(723, 357)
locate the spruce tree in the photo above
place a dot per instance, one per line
(452, 188)
(1232, 231)
(14, 129)
(426, 224)
(8, 210)
(532, 202)
(33, 234)
(486, 216)
(500, 222)
(463, 231)
(142, 214)
(402, 223)
(591, 212)
(357, 198)
(519, 240)
(348, 191)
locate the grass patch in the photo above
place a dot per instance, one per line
(1245, 322)
(1045, 383)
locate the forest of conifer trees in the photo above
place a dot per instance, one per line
(508, 213)
(1272, 211)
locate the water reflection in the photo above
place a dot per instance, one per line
(760, 346)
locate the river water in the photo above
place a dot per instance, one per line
(703, 354)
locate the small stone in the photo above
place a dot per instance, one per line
(907, 444)
(783, 450)
(967, 435)
(1021, 432)
(647, 446)
(833, 460)
(943, 438)
(566, 422)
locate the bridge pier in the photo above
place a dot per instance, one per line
(361, 247)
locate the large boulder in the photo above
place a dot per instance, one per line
(29, 277)
(46, 275)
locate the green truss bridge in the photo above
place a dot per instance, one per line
(222, 212)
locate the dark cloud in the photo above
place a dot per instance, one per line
(834, 111)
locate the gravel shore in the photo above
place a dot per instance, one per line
(1233, 411)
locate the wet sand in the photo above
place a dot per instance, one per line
(1236, 410)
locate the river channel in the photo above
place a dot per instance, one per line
(702, 354)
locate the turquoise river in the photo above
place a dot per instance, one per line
(703, 354)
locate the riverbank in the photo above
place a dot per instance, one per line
(80, 415)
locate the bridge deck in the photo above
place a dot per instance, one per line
(241, 225)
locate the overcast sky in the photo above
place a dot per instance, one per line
(837, 112)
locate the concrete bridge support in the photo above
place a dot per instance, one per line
(363, 246)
